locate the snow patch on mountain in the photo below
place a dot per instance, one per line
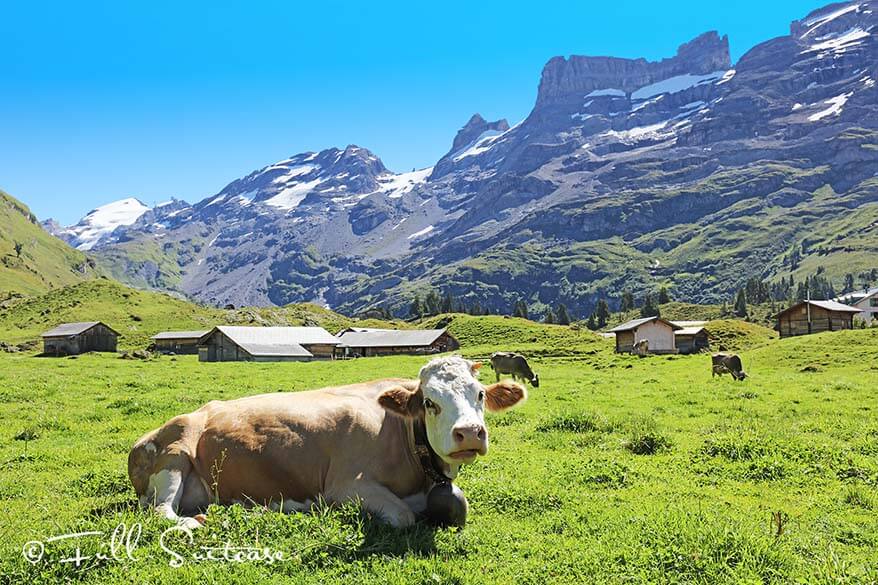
(290, 197)
(484, 142)
(292, 173)
(420, 233)
(675, 84)
(609, 92)
(819, 21)
(835, 106)
(102, 221)
(395, 186)
(839, 44)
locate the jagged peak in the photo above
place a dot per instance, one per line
(476, 126)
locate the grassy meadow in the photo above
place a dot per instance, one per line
(616, 470)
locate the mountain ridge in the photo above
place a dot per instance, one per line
(627, 174)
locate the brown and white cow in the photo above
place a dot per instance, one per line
(344, 443)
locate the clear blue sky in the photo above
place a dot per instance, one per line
(104, 100)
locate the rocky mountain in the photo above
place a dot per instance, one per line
(101, 226)
(690, 171)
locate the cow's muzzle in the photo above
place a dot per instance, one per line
(470, 441)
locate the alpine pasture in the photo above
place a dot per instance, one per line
(616, 470)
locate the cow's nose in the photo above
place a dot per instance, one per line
(470, 435)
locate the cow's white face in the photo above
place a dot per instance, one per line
(452, 403)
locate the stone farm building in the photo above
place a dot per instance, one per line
(76, 338)
(866, 301)
(814, 317)
(266, 344)
(179, 342)
(363, 342)
(657, 331)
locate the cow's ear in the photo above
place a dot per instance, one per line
(504, 394)
(402, 402)
(475, 367)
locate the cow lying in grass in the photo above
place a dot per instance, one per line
(356, 442)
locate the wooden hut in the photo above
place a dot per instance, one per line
(77, 338)
(179, 342)
(657, 331)
(266, 344)
(691, 338)
(815, 317)
(372, 342)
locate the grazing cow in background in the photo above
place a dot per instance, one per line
(641, 348)
(385, 443)
(507, 362)
(727, 363)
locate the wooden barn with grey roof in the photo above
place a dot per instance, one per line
(365, 342)
(266, 344)
(77, 338)
(178, 342)
(808, 317)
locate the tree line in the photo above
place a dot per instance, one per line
(754, 291)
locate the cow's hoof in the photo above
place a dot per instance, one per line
(446, 505)
(202, 519)
(190, 523)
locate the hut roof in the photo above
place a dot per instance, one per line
(635, 323)
(68, 329)
(391, 337)
(360, 330)
(828, 305)
(857, 296)
(689, 331)
(685, 324)
(180, 335)
(276, 341)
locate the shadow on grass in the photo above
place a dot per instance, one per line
(111, 509)
(383, 540)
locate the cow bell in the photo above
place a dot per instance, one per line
(446, 505)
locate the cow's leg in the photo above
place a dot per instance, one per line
(376, 499)
(166, 487)
(497, 374)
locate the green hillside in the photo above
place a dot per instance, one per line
(480, 336)
(31, 260)
(761, 314)
(137, 315)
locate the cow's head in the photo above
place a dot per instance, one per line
(452, 403)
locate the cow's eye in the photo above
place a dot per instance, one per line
(431, 406)
(481, 395)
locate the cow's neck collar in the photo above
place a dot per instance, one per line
(436, 470)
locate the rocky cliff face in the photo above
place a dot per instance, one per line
(627, 174)
(571, 78)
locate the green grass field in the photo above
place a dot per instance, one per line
(617, 470)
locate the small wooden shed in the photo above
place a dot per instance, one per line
(691, 338)
(179, 342)
(373, 342)
(808, 317)
(657, 331)
(266, 344)
(77, 338)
